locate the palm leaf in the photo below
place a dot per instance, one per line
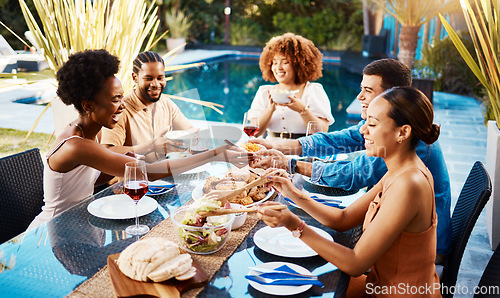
(484, 30)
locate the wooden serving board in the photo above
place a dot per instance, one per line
(124, 286)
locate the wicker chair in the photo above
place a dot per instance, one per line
(490, 280)
(21, 198)
(471, 201)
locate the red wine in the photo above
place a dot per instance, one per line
(136, 189)
(197, 149)
(251, 130)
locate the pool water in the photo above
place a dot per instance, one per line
(233, 82)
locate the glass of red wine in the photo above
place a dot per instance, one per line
(135, 185)
(250, 125)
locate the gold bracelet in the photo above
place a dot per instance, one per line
(215, 152)
(304, 111)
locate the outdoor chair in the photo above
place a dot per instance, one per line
(22, 59)
(490, 280)
(21, 198)
(471, 201)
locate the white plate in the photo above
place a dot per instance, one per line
(198, 193)
(121, 207)
(280, 290)
(280, 242)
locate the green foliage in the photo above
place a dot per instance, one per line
(327, 28)
(323, 21)
(345, 41)
(208, 20)
(452, 73)
(482, 23)
(12, 16)
(178, 22)
(245, 33)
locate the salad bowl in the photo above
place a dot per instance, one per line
(201, 234)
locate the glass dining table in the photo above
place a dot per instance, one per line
(58, 256)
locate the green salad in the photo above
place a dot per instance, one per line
(209, 233)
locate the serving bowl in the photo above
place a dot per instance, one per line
(281, 95)
(201, 235)
(239, 218)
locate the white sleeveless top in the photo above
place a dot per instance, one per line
(64, 190)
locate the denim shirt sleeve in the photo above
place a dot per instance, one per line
(330, 143)
(349, 175)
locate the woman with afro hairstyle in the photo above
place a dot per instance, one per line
(293, 61)
(76, 161)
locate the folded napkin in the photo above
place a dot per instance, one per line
(323, 198)
(324, 202)
(159, 188)
(283, 279)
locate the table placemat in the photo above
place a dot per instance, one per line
(100, 284)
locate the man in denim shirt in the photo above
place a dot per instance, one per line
(364, 170)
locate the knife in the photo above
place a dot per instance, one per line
(267, 270)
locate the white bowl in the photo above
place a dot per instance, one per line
(281, 95)
(239, 218)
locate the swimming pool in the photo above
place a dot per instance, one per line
(233, 82)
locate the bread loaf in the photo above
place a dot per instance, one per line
(174, 267)
(155, 259)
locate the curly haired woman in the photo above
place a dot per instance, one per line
(293, 61)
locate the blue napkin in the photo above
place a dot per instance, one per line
(159, 189)
(283, 279)
(165, 186)
(316, 198)
(322, 201)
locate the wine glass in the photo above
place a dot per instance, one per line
(313, 127)
(250, 125)
(135, 185)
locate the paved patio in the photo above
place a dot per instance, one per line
(463, 140)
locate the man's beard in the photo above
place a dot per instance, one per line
(148, 97)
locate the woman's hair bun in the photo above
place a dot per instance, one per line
(432, 134)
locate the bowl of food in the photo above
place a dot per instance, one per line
(239, 218)
(201, 234)
(281, 95)
(252, 147)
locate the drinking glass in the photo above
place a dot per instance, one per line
(250, 125)
(313, 127)
(135, 185)
(198, 144)
(276, 162)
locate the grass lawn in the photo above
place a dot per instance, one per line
(11, 139)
